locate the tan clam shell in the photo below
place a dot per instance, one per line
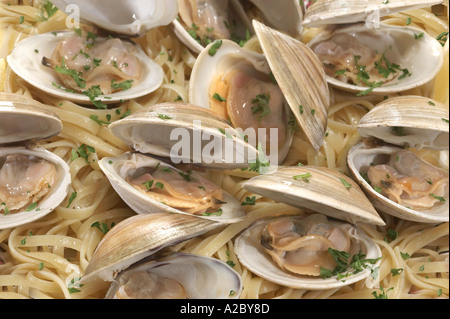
(425, 120)
(140, 236)
(252, 256)
(323, 190)
(301, 78)
(322, 12)
(149, 131)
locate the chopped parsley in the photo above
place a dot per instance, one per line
(214, 47)
(261, 105)
(249, 201)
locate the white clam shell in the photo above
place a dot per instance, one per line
(128, 17)
(201, 277)
(26, 61)
(422, 57)
(424, 121)
(24, 120)
(252, 255)
(161, 128)
(321, 190)
(231, 210)
(361, 156)
(207, 67)
(322, 12)
(51, 200)
(425, 124)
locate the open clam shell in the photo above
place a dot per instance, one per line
(185, 133)
(412, 121)
(326, 12)
(239, 76)
(120, 169)
(26, 61)
(301, 78)
(127, 17)
(139, 236)
(224, 18)
(319, 189)
(404, 121)
(200, 277)
(23, 120)
(251, 254)
(417, 56)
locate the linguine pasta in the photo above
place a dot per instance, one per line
(47, 258)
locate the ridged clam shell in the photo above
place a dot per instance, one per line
(424, 120)
(140, 236)
(318, 189)
(201, 277)
(301, 78)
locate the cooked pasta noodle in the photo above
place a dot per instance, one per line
(47, 258)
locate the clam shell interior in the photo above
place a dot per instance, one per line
(140, 236)
(252, 255)
(325, 12)
(360, 156)
(422, 57)
(26, 61)
(423, 122)
(201, 277)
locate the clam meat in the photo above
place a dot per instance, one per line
(81, 63)
(307, 252)
(409, 181)
(177, 276)
(148, 185)
(242, 90)
(23, 181)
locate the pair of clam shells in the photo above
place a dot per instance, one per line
(23, 122)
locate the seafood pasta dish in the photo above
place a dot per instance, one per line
(232, 149)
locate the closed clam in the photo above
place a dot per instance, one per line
(396, 180)
(33, 181)
(368, 56)
(300, 251)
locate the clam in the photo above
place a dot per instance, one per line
(127, 256)
(372, 57)
(85, 68)
(299, 251)
(177, 276)
(327, 12)
(33, 181)
(149, 185)
(255, 91)
(236, 84)
(201, 22)
(129, 17)
(396, 180)
(295, 251)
